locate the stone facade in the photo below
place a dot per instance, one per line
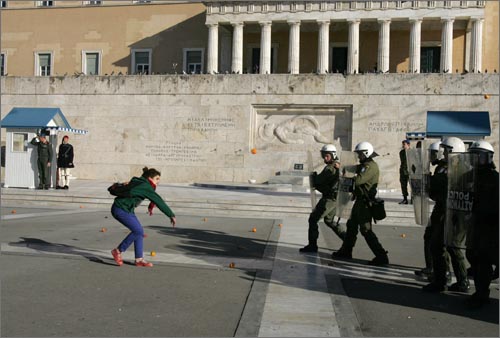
(204, 127)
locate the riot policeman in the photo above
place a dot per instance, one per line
(326, 183)
(439, 193)
(482, 237)
(365, 190)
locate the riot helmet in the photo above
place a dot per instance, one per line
(365, 149)
(329, 149)
(484, 149)
(435, 152)
(452, 145)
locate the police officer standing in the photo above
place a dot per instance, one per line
(482, 237)
(404, 175)
(439, 193)
(326, 183)
(365, 190)
(44, 151)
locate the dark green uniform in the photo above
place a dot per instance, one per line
(404, 175)
(44, 151)
(438, 192)
(365, 188)
(482, 246)
(326, 183)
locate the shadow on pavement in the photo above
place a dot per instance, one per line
(41, 245)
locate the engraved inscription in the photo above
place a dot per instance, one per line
(395, 126)
(175, 152)
(208, 123)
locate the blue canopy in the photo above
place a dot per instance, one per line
(458, 123)
(46, 118)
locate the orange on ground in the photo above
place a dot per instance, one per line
(153, 253)
(254, 230)
(232, 265)
(253, 151)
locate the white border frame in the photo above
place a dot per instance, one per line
(4, 63)
(184, 58)
(87, 3)
(37, 67)
(132, 59)
(84, 61)
(40, 4)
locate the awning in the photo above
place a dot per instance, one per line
(38, 118)
(458, 123)
(415, 136)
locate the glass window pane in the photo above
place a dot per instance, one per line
(2, 65)
(19, 142)
(141, 57)
(44, 60)
(194, 56)
(92, 63)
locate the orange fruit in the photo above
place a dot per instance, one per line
(204, 220)
(486, 96)
(403, 235)
(253, 151)
(254, 230)
(153, 253)
(81, 206)
(280, 225)
(14, 211)
(232, 265)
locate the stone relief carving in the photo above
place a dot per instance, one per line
(292, 131)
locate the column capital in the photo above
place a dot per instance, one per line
(415, 20)
(293, 22)
(447, 19)
(477, 18)
(212, 24)
(323, 22)
(384, 20)
(265, 23)
(234, 24)
(353, 21)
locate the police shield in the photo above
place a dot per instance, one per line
(462, 168)
(418, 169)
(348, 164)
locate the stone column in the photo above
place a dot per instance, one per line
(265, 47)
(415, 39)
(213, 48)
(447, 45)
(384, 34)
(476, 52)
(323, 44)
(294, 47)
(353, 47)
(237, 57)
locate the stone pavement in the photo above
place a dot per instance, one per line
(291, 286)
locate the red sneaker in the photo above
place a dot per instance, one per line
(117, 257)
(144, 263)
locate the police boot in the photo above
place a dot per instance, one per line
(404, 201)
(425, 272)
(434, 287)
(380, 260)
(342, 253)
(311, 247)
(459, 287)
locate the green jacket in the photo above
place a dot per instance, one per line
(327, 182)
(44, 150)
(365, 188)
(139, 193)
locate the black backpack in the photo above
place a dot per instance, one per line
(123, 189)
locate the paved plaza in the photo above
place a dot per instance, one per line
(220, 272)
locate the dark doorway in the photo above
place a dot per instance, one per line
(430, 59)
(339, 60)
(256, 60)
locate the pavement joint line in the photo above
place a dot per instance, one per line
(43, 214)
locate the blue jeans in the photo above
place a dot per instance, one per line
(136, 235)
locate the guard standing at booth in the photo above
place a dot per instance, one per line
(44, 151)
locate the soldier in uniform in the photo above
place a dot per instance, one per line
(326, 183)
(365, 190)
(44, 150)
(482, 238)
(404, 175)
(439, 193)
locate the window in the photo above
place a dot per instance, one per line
(92, 2)
(430, 59)
(2, 64)
(193, 60)
(141, 61)
(141, 1)
(45, 3)
(43, 64)
(19, 142)
(91, 62)
(338, 58)
(3, 4)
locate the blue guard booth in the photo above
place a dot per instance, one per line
(22, 125)
(469, 126)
